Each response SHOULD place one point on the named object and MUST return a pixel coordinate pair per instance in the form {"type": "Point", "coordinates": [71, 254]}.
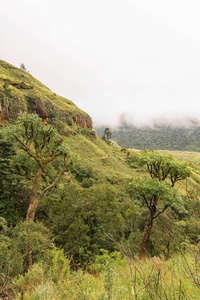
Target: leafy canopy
{"type": "Point", "coordinates": [146, 192]}
{"type": "Point", "coordinates": [161, 166]}
{"type": "Point", "coordinates": [42, 142]}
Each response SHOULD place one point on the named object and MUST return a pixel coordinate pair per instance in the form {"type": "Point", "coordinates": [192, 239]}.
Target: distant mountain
{"type": "Point", "coordinates": [182, 137]}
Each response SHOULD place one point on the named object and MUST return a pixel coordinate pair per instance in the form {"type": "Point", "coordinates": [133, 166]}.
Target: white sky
{"type": "Point", "coordinates": [139, 58]}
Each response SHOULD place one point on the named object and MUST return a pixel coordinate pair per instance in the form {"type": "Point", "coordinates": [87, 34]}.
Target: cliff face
{"type": "Point", "coordinates": [16, 107]}
{"type": "Point", "coordinates": [21, 93]}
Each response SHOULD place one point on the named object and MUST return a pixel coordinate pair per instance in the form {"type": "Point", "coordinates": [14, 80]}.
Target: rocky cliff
{"type": "Point", "coordinates": [21, 93]}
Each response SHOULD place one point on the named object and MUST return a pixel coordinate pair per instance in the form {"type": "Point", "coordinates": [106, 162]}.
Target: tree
{"type": "Point", "coordinates": [154, 193]}
{"type": "Point", "coordinates": [157, 196]}
{"type": "Point", "coordinates": [107, 134]}
{"type": "Point", "coordinates": [162, 167]}
{"type": "Point", "coordinates": [43, 145]}
{"type": "Point", "coordinates": [22, 67]}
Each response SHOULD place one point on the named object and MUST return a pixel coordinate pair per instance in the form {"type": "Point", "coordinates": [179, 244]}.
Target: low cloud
{"type": "Point", "coordinates": [166, 119]}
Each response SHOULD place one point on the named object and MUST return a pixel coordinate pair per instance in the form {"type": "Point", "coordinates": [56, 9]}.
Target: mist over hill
{"type": "Point", "coordinates": [181, 134]}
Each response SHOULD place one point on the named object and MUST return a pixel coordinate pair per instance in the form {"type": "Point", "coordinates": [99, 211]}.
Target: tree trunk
{"type": "Point", "coordinates": [30, 216]}
{"type": "Point", "coordinates": [146, 237]}
{"type": "Point", "coordinates": [148, 228]}
{"type": "Point", "coordinates": [33, 197]}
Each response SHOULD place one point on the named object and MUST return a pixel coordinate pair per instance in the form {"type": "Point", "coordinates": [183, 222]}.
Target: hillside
{"type": "Point", "coordinates": [20, 92]}
{"type": "Point", "coordinates": [158, 137]}
{"type": "Point", "coordinates": [82, 191]}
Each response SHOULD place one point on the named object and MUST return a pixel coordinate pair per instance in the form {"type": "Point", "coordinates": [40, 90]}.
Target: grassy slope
{"type": "Point", "coordinates": [15, 76]}
{"type": "Point", "coordinates": [107, 161]}
{"type": "Point", "coordinates": [184, 155]}
{"type": "Point", "coordinates": [109, 164]}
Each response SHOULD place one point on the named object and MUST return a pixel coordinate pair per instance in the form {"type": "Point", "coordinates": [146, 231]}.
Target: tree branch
{"type": "Point", "coordinates": [161, 211]}
{"type": "Point", "coordinates": [145, 200]}
{"type": "Point", "coordinates": [48, 188]}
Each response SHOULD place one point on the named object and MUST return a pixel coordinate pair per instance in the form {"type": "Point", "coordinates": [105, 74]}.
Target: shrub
{"type": "Point", "coordinates": [69, 120]}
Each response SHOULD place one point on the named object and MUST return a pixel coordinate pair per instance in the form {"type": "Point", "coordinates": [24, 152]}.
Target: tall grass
{"type": "Point", "coordinates": [112, 276]}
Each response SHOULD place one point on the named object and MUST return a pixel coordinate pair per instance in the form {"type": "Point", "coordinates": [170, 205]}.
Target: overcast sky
{"type": "Point", "coordinates": [112, 58]}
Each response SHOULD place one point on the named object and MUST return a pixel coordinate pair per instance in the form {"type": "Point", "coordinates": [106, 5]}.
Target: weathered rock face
{"type": "Point", "coordinates": [38, 107]}
{"type": "Point", "coordinates": [11, 109]}
{"type": "Point", "coordinates": [4, 112]}
{"type": "Point", "coordinates": [15, 107]}
{"type": "Point", "coordinates": [41, 111]}
{"type": "Point", "coordinates": [83, 120]}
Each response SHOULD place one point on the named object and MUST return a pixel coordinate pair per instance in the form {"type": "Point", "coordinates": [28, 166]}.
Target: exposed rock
{"type": "Point", "coordinates": [16, 106]}
{"type": "Point", "coordinates": [84, 120]}
{"type": "Point", "coordinates": [89, 122]}
{"type": "Point", "coordinates": [4, 112]}
{"type": "Point", "coordinates": [41, 111]}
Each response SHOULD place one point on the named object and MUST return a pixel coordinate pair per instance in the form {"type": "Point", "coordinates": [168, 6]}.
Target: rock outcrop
{"type": "Point", "coordinates": [16, 106]}
{"type": "Point", "coordinates": [83, 120]}
{"type": "Point", "coordinates": [21, 93]}
{"type": "Point", "coordinates": [4, 112]}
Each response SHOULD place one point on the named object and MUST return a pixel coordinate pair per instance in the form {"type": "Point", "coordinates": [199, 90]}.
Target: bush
{"type": "Point", "coordinates": [69, 120]}
{"type": "Point", "coordinates": [27, 237]}
{"type": "Point", "coordinates": [23, 85]}
{"type": "Point", "coordinates": [88, 182]}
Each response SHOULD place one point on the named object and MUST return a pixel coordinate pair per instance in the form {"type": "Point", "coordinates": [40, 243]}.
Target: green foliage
{"type": "Point", "coordinates": [88, 182]}
{"type": "Point", "coordinates": [89, 133]}
{"type": "Point", "coordinates": [7, 90]}
{"type": "Point", "coordinates": [14, 76]}
{"type": "Point", "coordinates": [158, 138]}
{"type": "Point", "coordinates": [23, 85]}
{"type": "Point", "coordinates": [43, 138]}
{"type": "Point", "coordinates": [13, 194]}
{"type": "Point", "coordinates": [154, 191]}
{"type": "Point", "coordinates": [161, 166]}
{"type": "Point", "coordinates": [107, 262]}
{"type": "Point", "coordinates": [26, 237]}
{"type": "Point", "coordinates": [1, 97]}
{"type": "Point", "coordinates": [53, 115]}
{"type": "Point", "coordinates": [144, 191]}
{"type": "Point", "coordinates": [7, 180]}
{"type": "Point", "coordinates": [43, 144]}
{"type": "Point", "coordinates": [4, 244]}
{"type": "Point", "coordinates": [83, 174]}
{"type": "Point", "coordinates": [117, 279]}
{"type": "Point", "coordinates": [94, 211]}
{"type": "Point", "coordinates": [107, 134]}
{"type": "Point", "coordinates": [57, 265]}
{"type": "Point", "coordinates": [69, 120]}
{"type": "Point", "coordinates": [80, 219]}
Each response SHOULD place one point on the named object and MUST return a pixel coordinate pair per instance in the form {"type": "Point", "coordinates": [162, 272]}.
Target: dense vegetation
{"type": "Point", "coordinates": [75, 209]}
{"type": "Point", "coordinates": [157, 138]}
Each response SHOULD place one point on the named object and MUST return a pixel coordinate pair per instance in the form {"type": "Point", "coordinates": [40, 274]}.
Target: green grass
{"type": "Point", "coordinates": [107, 161]}
{"type": "Point", "coordinates": [184, 155]}
{"type": "Point", "coordinates": [115, 277]}
{"type": "Point", "coordinates": [15, 76]}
